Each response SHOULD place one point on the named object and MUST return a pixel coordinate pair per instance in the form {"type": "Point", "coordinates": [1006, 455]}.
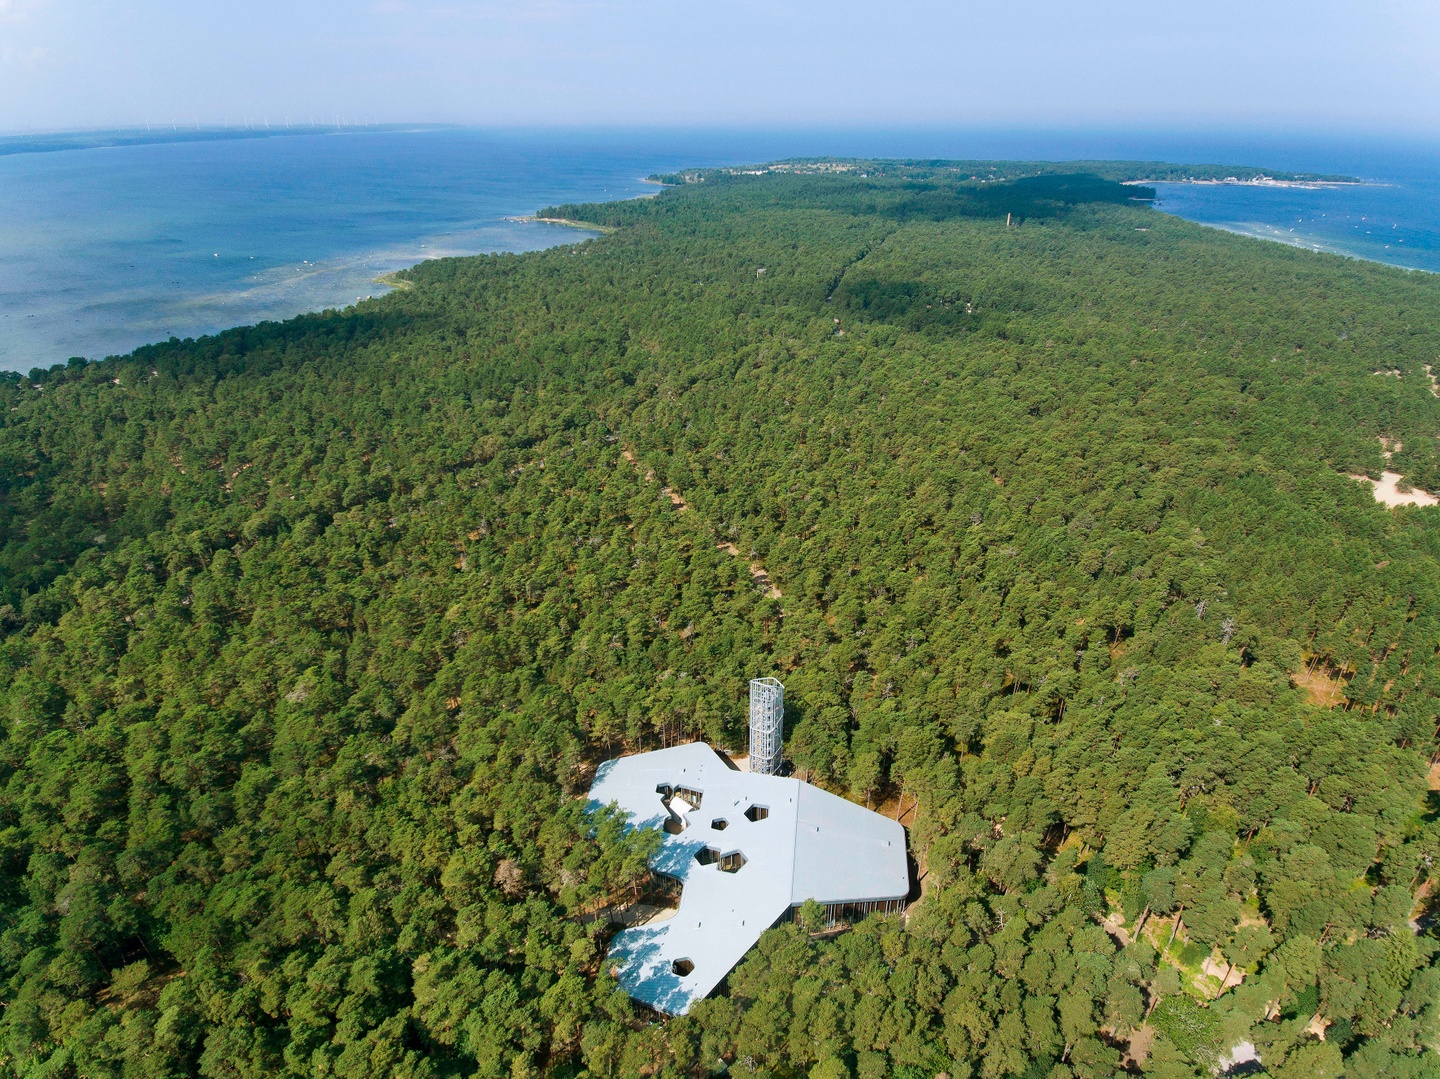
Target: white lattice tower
{"type": "Point", "coordinates": [767, 717]}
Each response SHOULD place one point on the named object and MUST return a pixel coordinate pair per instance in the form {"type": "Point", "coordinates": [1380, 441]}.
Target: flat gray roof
{"type": "Point", "coordinates": [808, 844]}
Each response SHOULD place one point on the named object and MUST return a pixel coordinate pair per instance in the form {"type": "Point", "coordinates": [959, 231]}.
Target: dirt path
{"type": "Point", "coordinates": [757, 569]}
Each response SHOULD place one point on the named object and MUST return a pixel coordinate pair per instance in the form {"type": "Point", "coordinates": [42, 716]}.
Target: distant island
{"type": "Point", "coordinates": [1006, 171]}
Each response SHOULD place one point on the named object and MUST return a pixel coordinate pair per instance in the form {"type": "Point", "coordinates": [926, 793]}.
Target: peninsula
{"type": "Point", "coordinates": [327, 645]}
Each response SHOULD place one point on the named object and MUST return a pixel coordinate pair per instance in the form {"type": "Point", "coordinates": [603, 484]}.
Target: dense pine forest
{"type": "Point", "coordinates": [1039, 501]}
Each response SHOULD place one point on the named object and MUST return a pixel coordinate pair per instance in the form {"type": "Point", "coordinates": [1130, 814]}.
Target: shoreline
{"type": "Point", "coordinates": [588, 226]}
{"type": "Point", "coordinates": [1261, 181]}
{"type": "Point", "coordinates": [1329, 248]}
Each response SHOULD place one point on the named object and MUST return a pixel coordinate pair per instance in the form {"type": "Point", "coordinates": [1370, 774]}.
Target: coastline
{"type": "Point", "coordinates": [1262, 181]}
{"type": "Point", "coordinates": [1384, 219]}
{"type": "Point", "coordinates": [588, 226]}
{"type": "Point", "coordinates": [1252, 231]}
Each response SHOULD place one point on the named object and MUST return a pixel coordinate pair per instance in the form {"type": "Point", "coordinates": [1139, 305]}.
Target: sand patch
{"type": "Point", "coordinates": [1237, 1054]}
{"type": "Point", "coordinates": [1250, 917]}
{"type": "Point", "coordinates": [627, 914]}
{"type": "Point", "coordinates": [1114, 924]}
{"type": "Point", "coordinates": [1137, 1049]}
{"type": "Point", "coordinates": [1421, 906]}
{"type": "Point", "coordinates": [1387, 487]}
{"type": "Point", "coordinates": [1222, 972]}
{"type": "Point", "coordinates": [1324, 687]}
{"type": "Point", "coordinates": [1434, 382]}
{"type": "Point", "coordinates": [654, 916]}
{"type": "Point", "coordinates": [1387, 490]}
{"type": "Point", "coordinates": [762, 579]}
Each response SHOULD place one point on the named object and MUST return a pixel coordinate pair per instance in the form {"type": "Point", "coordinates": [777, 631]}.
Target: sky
{"type": "Point", "coordinates": [1312, 65]}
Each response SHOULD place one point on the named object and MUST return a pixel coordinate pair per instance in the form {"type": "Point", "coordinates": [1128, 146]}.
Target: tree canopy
{"type": "Point", "coordinates": [1039, 502]}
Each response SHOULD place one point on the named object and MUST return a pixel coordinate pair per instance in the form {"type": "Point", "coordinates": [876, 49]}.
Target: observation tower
{"type": "Point", "coordinates": [767, 716]}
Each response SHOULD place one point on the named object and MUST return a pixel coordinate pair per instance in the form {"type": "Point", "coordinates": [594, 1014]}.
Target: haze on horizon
{"type": "Point", "coordinates": [1316, 65]}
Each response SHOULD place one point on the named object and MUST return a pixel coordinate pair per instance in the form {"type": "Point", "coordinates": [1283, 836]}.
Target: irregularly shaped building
{"type": "Point", "coordinates": [746, 848]}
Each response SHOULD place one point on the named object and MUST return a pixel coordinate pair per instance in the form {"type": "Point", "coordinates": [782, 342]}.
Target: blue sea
{"type": "Point", "coordinates": [103, 249]}
{"type": "Point", "coordinates": [1391, 218]}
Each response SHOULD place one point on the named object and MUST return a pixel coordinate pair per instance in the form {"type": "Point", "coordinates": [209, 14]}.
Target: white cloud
{"type": "Point", "coordinates": [515, 11]}
{"type": "Point", "coordinates": [17, 11]}
{"type": "Point", "coordinates": [27, 58]}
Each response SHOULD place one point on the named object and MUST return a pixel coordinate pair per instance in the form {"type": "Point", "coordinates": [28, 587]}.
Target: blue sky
{"type": "Point", "coordinates": [1317, 65]}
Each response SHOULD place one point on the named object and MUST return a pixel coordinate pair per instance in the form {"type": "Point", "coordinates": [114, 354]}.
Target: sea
{"type": "Point", "coordinates": [104, 248]}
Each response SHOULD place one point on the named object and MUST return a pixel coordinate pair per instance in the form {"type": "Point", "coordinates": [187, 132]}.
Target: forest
{"type": "Point", "coordinates": [1039, 501]}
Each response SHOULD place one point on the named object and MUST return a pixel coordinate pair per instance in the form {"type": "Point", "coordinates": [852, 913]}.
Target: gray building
{"type": "Point", "coordinates": [746, 849]}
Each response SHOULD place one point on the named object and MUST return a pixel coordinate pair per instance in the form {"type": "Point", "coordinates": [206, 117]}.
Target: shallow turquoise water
{"type": "Point", "coordinates": [1395, 220]}
{"type": "Point", "coordinates": [102, 250]}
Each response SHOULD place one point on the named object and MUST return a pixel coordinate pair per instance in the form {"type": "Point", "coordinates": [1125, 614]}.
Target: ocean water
{"type": "Point", "coordinates": [1394, 219]}
{"type": "Point", "coordinates": [103, 249]}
